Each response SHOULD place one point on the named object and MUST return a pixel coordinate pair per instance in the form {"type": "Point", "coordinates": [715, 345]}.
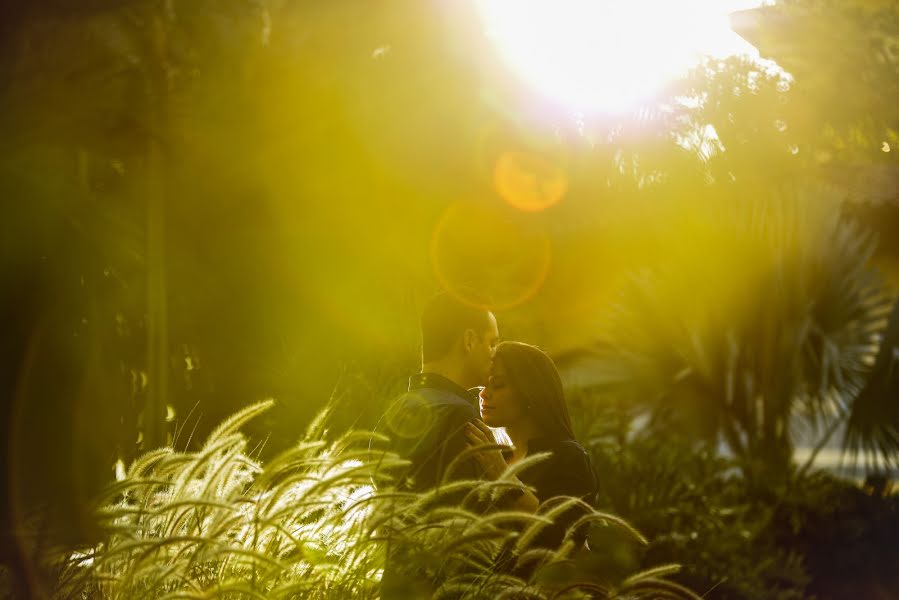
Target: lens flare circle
{"type": "Point", "coordinates": [409, 417]}
{"type": "Point", "coordinates": [529, 181]}
{"type": "Point", "coordinates": [489, 256]}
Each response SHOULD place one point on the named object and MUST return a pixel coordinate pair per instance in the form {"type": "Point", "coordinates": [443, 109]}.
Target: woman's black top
{"type": "Point", "coordinates": [568, 471]}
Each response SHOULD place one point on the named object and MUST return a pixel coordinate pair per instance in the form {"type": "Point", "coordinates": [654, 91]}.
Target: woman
{"type": "Point", "coordinates": [524, 396]}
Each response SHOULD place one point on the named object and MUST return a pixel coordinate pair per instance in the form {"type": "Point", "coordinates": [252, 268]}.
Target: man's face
{"type": "Point", "coordinates": [482, 350]}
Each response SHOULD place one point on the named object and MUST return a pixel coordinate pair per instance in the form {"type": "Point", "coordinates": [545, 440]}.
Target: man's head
{"type": "Point", "coordinates": [459, 337]}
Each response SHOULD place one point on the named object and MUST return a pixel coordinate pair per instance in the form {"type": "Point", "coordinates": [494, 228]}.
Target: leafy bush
{"type": "Point", "coordinates": [318, 521]}
{"type": "Point", "coordinates": [847, 536]}
{"type": "Point", "coordinates": [696, 508]}
{"type": "Point", "coordinates": [811, 536]}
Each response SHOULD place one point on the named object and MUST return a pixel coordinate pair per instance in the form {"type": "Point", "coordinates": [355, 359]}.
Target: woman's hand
{"type": "Point", "coordinates": [493, 464]}
{"type": "Point", "coordinates": [491, 461]}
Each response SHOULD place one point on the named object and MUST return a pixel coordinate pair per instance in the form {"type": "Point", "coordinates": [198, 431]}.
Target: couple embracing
{"type": "Point", "coordinates": [470, 390]}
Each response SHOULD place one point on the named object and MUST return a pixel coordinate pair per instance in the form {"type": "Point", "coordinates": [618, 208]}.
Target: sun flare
{"type": "Point", "coordinates": [608, 55]}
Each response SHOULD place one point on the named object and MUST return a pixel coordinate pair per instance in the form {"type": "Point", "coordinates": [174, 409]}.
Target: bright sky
{"type": "Point", "coordinates": [609, 55]}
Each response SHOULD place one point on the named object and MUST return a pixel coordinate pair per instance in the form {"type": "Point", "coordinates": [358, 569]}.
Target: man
{"type": "Point", "coordinates": [426, 425]}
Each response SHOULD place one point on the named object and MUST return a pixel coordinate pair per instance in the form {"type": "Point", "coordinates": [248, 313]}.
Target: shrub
{"type": "Point", "coordinates": [696, 507]}
{"type": "Point", "coordinates": [809, 536]}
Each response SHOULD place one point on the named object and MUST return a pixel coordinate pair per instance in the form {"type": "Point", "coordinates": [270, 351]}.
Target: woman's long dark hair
{"type": "Point", "coordinates": [534, 376]}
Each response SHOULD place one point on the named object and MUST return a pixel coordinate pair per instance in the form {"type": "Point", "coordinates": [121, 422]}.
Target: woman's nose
{"type": "Point", "coordinates": [483, 395]}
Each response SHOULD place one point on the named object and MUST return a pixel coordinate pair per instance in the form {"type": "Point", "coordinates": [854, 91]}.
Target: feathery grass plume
{"type": "Point", "coordinates": [550, 512]}
{"type": "Point", "coordinates": [652, 587]}
{"type": "Point", "coordinates": [520, 592]}
{"type": "Point", "coordinates": [592, 590]}
{"type": "Point", "coordinates": [512, 517]}
{"type": "Point", "coordinates": [525, 463]}
{"type": "Point", "coordinates": [442, 491]}
{"type": "Point", "coordinates": [492, 491]}
{"type": "Point", "coordinates": [465, 455]}
{"type": "Point", "coordinates": [318, 521]}
{"type": "Point", "coordinates": [534, 556]}
{"type": "Point", "coordinates": [239, 419]}
{"type": "Point", "coordinates": [653, 573]}
{"type": "Point", "coordinates": [607, 519]}
{"type": "Point", "coordinates": [142, 463]}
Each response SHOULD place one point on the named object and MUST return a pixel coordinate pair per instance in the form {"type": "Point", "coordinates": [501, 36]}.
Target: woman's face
{"type": "Point", "coordinates": [501, 405]}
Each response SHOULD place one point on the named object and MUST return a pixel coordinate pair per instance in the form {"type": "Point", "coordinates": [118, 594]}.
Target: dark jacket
{"type": "Point", "coordinates": [425, 425]}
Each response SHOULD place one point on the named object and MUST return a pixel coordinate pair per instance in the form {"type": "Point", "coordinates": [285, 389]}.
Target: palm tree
{"type": "Point", "coordinates": [872, 424]}
{"type": "Point", "coordinates": [759, 312]}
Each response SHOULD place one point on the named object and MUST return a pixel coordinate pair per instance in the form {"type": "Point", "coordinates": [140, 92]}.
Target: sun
{"type": "Point", "coordinates": [608, 56]}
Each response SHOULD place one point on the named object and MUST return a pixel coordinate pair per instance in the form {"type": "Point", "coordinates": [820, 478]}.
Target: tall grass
{"type": "Point", "coordinates": [318, 521]}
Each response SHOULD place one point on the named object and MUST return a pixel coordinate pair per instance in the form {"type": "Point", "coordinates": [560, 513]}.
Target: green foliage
{"type": "Point", "coordinates": [845, 533]}
{"type": "Point", "coordinates": [697, 511]}
{"type": "Point", "coordinates": [829, 47]}
{"type": "Point", "coordinates": [321, 520]}
{"type": "Point", "coordinates": [770, 310]}
{"type": "Point", "coordinates": [811, 536]}
{"type": "Point", "coordinates": [872, 427]}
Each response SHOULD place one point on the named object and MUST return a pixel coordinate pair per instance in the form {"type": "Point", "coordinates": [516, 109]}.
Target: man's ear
{"type": "Point", "coordinates": [468, 340]}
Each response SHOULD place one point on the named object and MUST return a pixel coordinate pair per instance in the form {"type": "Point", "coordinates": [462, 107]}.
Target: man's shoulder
{"type": "Point", "coordinates": [434, 397]}
{"type": "Point", "coordinates": [422, 412]}
{"type": "Point", "coordinates": [444, 406]}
